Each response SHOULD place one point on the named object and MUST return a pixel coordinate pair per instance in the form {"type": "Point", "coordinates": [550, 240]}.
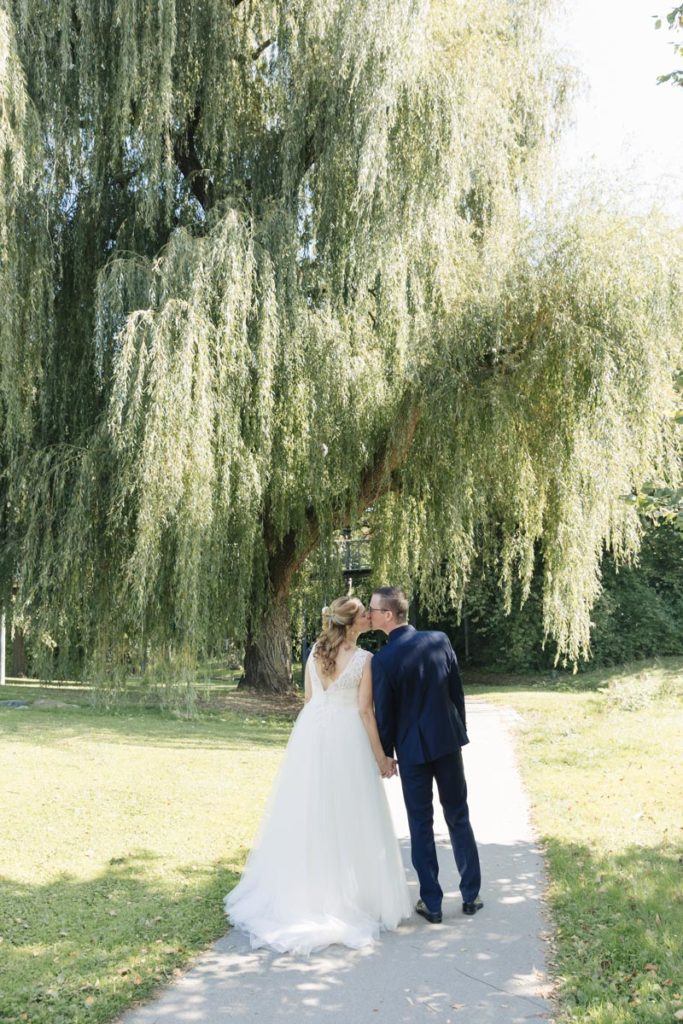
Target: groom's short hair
{"type": "Point", "coordinates": [394, 600]}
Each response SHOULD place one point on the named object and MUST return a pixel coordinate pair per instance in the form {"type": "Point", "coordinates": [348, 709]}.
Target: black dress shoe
{"type": "Point", "coordinates": [471, 908]}
{"type": "Point", "coordinates": [433, 917]}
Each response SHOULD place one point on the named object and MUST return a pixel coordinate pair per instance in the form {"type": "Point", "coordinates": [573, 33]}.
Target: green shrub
{"type": "Point", "coordinates": [638, 615]}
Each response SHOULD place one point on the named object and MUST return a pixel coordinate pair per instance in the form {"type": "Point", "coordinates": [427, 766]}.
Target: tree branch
{"type": "Point", "coordinates": [310, 153]}
{"type": "Point", "coordinates": [255, 54]}
{"type": "Point", "coordinates": [292, 552]}
{"type": "Point", "coordinates": [380, 477]}
{"type": "Point", "coordinates": [289, 554]}
{"type": "Point", "coordinates": [189, 164]}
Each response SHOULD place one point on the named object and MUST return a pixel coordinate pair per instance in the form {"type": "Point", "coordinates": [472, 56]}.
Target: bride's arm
{"type": "Point", "coordinates": [308, 692]}
{"type": "Point", "coordinates": [386, 765]}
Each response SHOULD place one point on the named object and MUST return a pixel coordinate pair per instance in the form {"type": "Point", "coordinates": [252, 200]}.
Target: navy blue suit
{"type": "Point", "coordinates": [420, 711]}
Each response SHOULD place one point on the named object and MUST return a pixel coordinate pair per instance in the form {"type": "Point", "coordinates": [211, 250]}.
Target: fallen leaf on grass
{"type": "Point", "coordinates": [678, 1015]}
{"type": "Point", "coordinates": [650, 967]}
{"type": "Point", "coordinates": [89, 1000]}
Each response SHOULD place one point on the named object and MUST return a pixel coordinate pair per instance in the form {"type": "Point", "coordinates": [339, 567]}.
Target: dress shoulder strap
{"type": "Point", "coordinates": [311, 659]}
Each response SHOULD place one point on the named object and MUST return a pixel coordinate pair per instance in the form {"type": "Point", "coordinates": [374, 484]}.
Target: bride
{"type": "Point", "coordinates": [326, 867]}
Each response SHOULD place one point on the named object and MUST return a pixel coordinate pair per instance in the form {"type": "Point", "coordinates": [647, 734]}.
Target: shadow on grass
{"type": "Point", "coordinates": [80, 951]}
{"type": "Point", "coordinates": [153, 728]}
{"type": "Point", "coordinates": [619, 919]}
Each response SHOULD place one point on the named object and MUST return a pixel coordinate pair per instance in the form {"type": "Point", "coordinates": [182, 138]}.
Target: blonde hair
{"type": "Point", "coordinates": [336, 620]}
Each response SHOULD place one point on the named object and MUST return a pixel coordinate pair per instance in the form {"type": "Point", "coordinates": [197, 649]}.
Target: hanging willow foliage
{"type": "Point", "coordinates": [289, 280]}
{"type": "Point", "coordinates": [25, 277]}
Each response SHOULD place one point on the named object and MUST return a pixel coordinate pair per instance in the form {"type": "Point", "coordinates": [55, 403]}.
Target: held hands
{"type": "Point", "coordinates": [388, 767]}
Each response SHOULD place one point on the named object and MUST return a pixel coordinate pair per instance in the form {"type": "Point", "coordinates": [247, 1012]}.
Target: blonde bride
{"type": "Point", "coordinates": [326, 867]}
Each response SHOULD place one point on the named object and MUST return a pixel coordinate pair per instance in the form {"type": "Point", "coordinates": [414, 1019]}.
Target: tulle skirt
{"type": "Point", "coordinates": [326, 867]}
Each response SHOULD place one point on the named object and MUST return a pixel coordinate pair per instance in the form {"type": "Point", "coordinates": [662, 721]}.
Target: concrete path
{"type": "Point", "coordinates": [488, 969]}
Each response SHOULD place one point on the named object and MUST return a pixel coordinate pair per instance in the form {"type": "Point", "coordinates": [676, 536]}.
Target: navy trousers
{"type": "Point", "coordinates": [417, 781]}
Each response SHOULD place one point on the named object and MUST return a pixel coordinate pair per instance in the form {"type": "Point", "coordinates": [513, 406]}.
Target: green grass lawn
{"type": "Point", "coordinates": [602, 758]}
{"type": "Point", "coordinates": [120, 833]}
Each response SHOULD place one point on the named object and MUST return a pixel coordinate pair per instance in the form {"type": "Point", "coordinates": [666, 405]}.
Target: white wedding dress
{"type": "Point", "coordinates": [326, 867]}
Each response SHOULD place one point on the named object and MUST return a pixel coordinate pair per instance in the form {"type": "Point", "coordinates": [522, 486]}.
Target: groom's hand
{"type": "Point", "coordinates": [389, 768]}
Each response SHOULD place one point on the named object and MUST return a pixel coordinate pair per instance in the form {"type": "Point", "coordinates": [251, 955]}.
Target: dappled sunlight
{"type": "Point", "coordinates": [131, 828]}
{"type": "Point", "coordinates": [621, 922]}
{"type": "Point", "coordinates": [102, 787]}
{"type": "Point", "coordinates": [478, 962]}
{"type": "Point", "coordinates": [603, 769]}
{"type": "Point", "coordinates": [72, 943]}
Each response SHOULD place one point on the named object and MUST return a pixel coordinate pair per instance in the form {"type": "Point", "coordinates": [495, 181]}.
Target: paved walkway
{"type": "Point", "coordinates": [488, 969]}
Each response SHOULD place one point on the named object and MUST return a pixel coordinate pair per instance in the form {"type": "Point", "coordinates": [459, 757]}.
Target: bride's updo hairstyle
{"type": "Point", "coordinates": [336, 620]}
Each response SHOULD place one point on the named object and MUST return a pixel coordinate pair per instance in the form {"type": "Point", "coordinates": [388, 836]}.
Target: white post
{"type": "Point", "coordinates": [2, 647]}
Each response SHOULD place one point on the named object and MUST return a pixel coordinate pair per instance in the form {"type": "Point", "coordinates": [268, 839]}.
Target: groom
{"type": "Point", "coordinates": [420, 711]}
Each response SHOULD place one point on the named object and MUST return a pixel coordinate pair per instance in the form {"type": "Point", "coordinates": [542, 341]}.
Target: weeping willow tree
{"type": "Point", "coordinates": [270, 266]}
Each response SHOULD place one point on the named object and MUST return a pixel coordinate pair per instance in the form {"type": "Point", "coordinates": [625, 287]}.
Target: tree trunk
{"type": "Point", "coordinates": [19, 666]}
{"type": "Point", "coordinates": [268, 653]}
{"type": "Point", "coordinates": [268, 659]}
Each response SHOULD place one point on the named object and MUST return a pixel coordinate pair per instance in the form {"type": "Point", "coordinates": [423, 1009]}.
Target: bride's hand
{"type": "Point", "coordinates": [387, 767]}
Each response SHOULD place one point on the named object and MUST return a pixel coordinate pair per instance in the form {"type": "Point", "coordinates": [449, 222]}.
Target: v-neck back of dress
{"type": "Point", "coordinates": [334, 682]}
{"type": "Point", "coordinates": [344, 688]}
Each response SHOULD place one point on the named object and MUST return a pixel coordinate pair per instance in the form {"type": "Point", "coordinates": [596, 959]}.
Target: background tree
{"type": "Point", "coordinates": [674, 21]}
{"type": "Point", "coordinates": [286, 275]}
{"type": "Point", "coordinates": [639, 613]}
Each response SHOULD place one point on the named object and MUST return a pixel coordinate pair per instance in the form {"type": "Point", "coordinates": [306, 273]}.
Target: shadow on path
{"type": "Point", "coordinates": [464, 970]}
{"type": "Point", "coordinates": [488, 969]}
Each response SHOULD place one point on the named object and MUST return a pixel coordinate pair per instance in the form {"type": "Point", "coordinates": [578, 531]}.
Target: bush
{"type": "Point", "coordinates": [639, 614]}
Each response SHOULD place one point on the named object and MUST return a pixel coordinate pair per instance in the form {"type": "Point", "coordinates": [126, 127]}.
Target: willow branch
{"type": "Point", "coordinates": [289, 554]}
{"type": "Point", "coordinates": [381, 476]}
{"type": "Point", "coordinates": [255, 54]}
{"type": "Point", "coordinates": [189, 164]}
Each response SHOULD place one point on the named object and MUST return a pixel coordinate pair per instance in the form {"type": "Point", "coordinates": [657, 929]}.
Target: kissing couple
{"type": "Point", "coordinates": [326, 866]}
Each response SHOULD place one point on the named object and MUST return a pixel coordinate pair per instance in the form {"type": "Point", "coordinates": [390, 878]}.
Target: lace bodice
{"type": "Point", "coordinates": [344, 690]}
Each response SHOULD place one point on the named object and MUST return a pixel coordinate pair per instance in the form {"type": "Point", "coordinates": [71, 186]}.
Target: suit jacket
{"type": "Point", "coordinates": [418, 695]}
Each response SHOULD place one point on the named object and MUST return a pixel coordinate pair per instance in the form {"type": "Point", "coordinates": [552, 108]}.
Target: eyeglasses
{"type": "Point", "coordinates": [370, 609]}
